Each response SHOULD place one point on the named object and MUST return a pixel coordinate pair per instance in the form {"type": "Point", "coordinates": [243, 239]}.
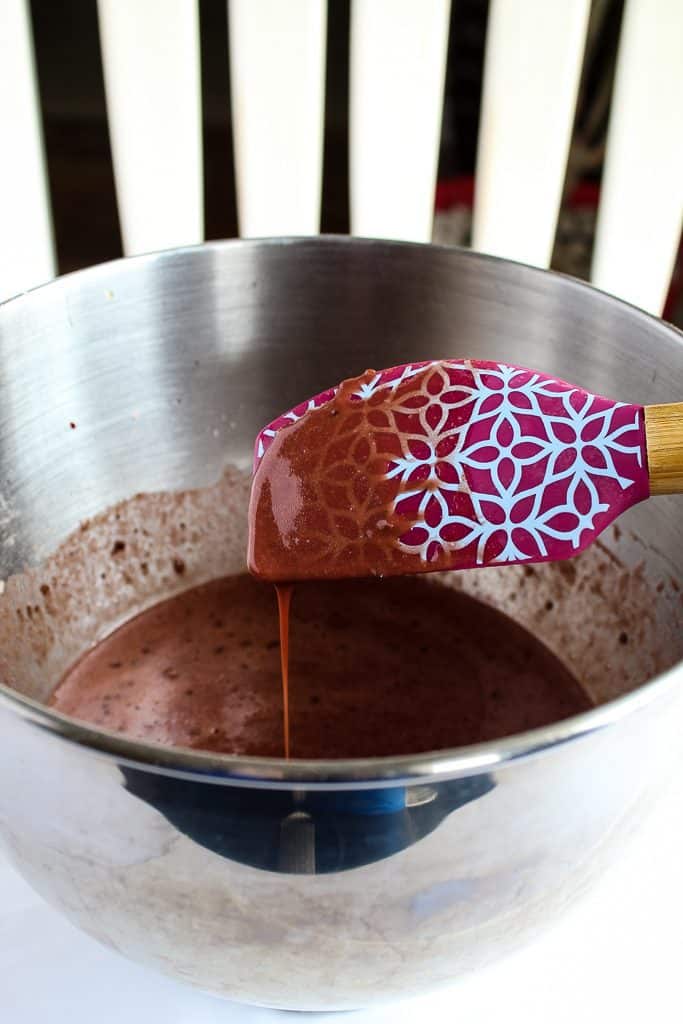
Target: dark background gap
{"type": "Point", "coordinates": [334, 217]}
{"type": "Point", "coordinates": [463, 86]}
{"type": "Point", "coordinates": [78, 155]}
{"type": "Point", "coordinates": [220, 201]}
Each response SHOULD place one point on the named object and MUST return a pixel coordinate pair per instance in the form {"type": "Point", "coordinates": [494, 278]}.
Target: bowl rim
{"type": "Point", "coordinates": [347, 773]}
{"type": "Point", "coordinates": [230, 769]}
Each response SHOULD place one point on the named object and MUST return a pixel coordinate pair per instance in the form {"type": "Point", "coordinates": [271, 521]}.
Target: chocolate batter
{"type": "Point", "coordinates": [321, 506]}
{"type": "Point", "coordinates": [376, 668]}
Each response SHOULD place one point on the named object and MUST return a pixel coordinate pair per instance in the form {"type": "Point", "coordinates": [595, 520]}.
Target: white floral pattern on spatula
{"type": "Point", "coordinates": [500, 462]}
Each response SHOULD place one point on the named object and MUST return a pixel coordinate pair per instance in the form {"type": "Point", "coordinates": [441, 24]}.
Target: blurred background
{"type": "Point", "coordinates": [79, 159]}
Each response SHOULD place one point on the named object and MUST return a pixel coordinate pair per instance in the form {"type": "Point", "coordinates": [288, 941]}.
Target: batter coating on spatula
{"type": "Point", "coordinates": [450, 464]}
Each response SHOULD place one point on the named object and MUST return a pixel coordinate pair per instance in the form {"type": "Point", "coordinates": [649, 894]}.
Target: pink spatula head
{"type": "Point", "coordinates": [451, 464]}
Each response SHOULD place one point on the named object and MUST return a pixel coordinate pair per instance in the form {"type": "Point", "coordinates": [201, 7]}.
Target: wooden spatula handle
{"type": "Point", "coordinates": [664, 436]}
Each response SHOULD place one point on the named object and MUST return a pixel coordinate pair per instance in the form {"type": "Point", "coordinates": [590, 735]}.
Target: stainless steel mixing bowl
{"type": "Point", "coordinates": [316, 885]}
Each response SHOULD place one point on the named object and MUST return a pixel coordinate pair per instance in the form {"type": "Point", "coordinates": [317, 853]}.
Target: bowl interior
{"type": "Point", "coordinates": [132, 393]}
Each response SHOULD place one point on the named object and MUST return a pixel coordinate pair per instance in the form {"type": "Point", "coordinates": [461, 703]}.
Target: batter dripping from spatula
{"type": "Point", "coordinates": [449, 465]}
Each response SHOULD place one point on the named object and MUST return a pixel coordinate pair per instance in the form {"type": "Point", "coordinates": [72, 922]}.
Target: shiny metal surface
{"type": "Point", "coordinates": [303, 885]}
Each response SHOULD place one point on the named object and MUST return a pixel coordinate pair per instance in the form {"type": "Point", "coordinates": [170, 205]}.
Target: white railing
{"type": "Point", "coordinates": [533, 64]}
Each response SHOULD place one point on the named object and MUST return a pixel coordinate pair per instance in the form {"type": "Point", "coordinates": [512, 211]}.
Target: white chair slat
{"type": "Point", "coordinates": [26, 247]}
{"type": "Point", "coordinates": [641, 205]}
{"type": "Point", "coordinates": [150, 53]}
{"type": "Point", "coordinates": [277, 76]}
{"type": "Point", "coordinates": [534, 56]}
{"type": "Point", "coordinates": [397, 69]}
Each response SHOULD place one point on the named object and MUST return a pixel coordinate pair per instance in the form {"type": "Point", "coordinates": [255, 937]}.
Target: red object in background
{"type": "Point", "coordinates": [454, 192]}
{"type": "Point", "coordinates": [460, 192]}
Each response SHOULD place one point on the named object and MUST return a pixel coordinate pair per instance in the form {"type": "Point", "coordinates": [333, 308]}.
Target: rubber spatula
{"type": "Point", "coordinates": [451, 464]}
